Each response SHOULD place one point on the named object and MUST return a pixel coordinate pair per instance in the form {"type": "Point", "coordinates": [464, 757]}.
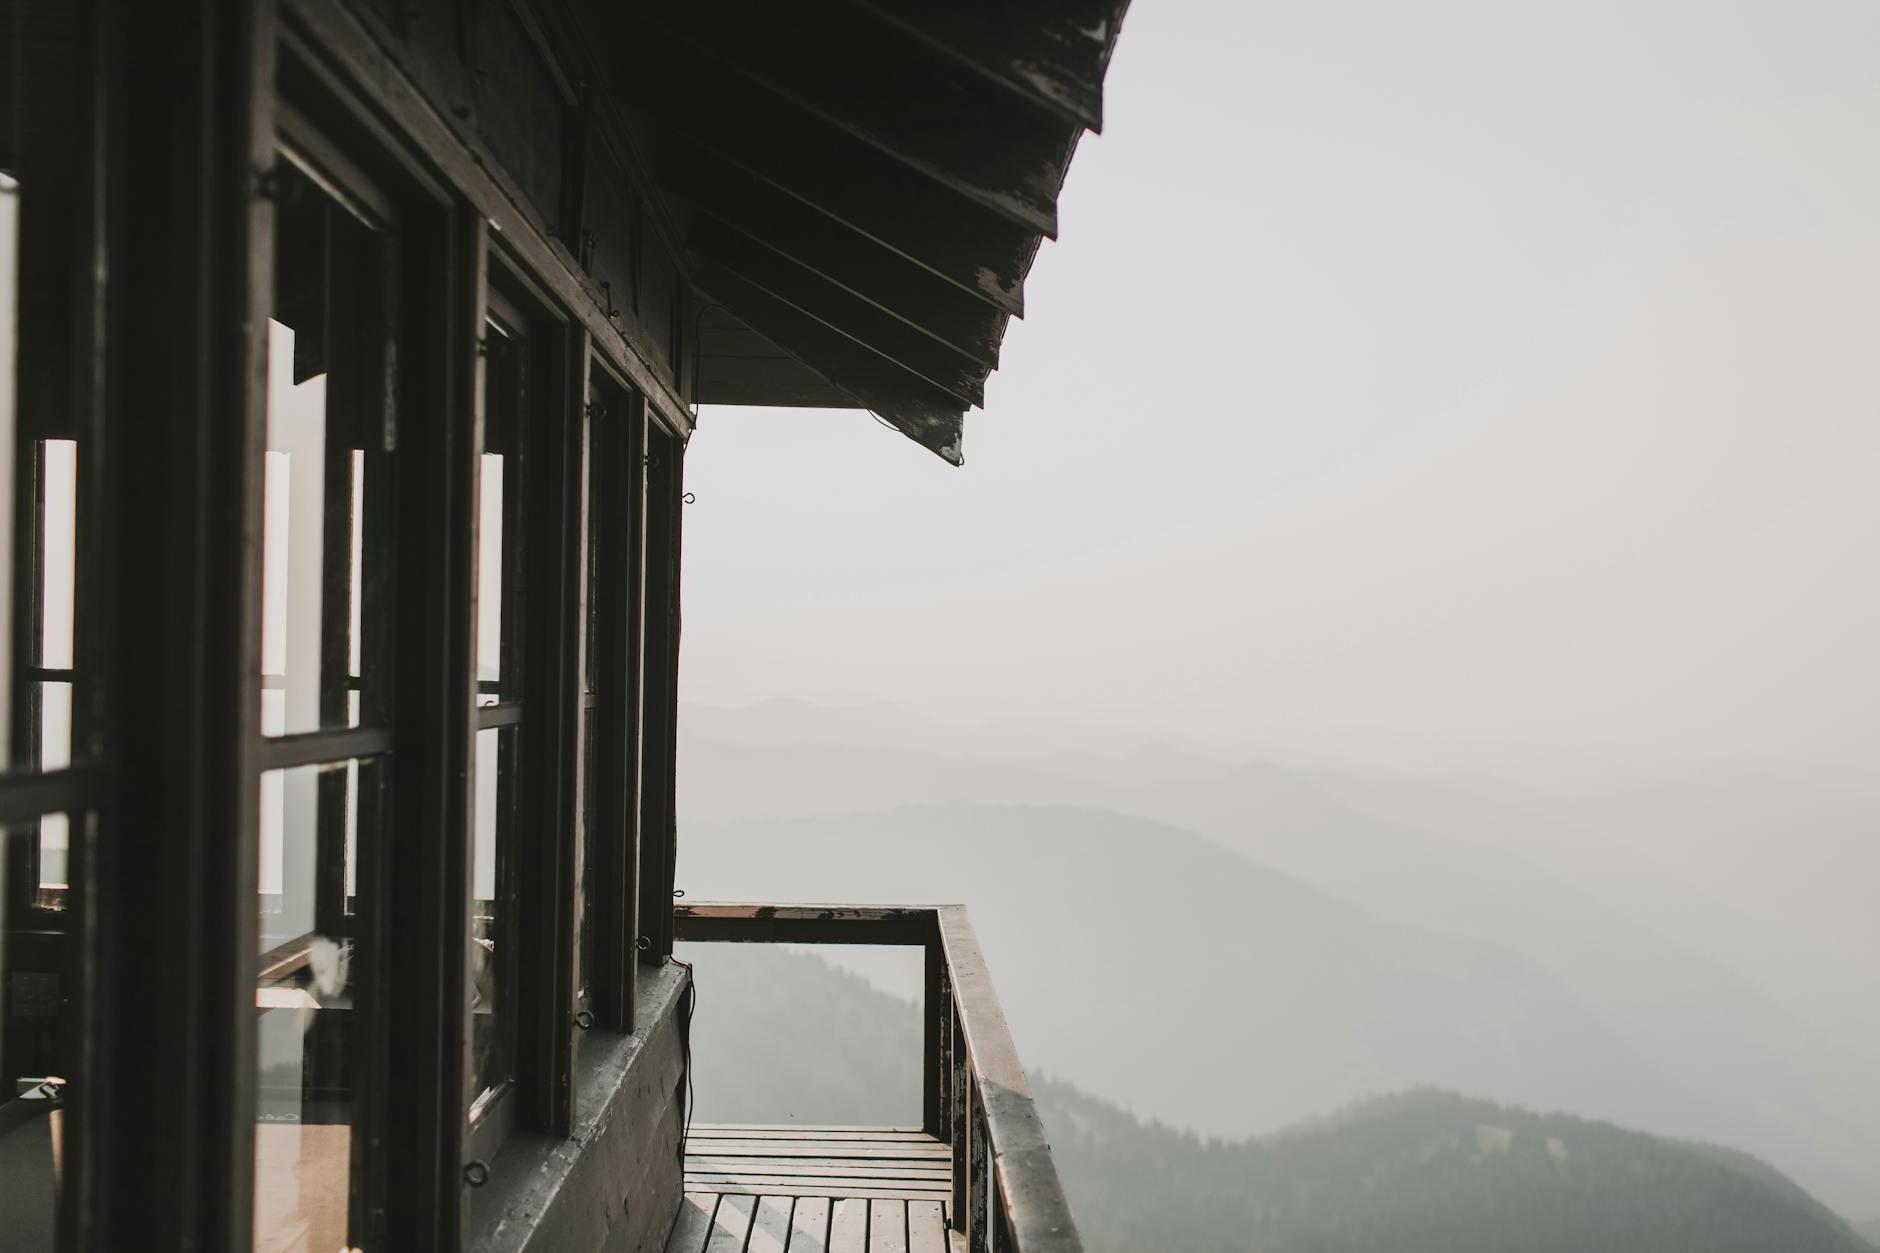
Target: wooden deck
{"type": "Point", "coordinates": [800, 1189]}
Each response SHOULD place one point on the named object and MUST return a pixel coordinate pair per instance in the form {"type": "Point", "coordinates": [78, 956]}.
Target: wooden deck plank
{"type": "Point", "coordinates": [732, 1223]}
{"type": "Point", "coordinates": [926, 1161]}
{"type": "Point", "coordinates": [753, 1188]}
{"type": "Point", "coordinates": [911, 1145]}
{"type": "Point", "coordinates": [786, 1185]}
{"type": "Point", "coordinates": [809, 1225]}
{"type": "Point", "coordinates": [713, 1127]}
{"type": "Point", "coordinates": [770, 1228]}
{"type": "Point", "coordinates": [848, 1227]}
{"type": "Point", "coordinates": [834, 1148]}
{"type": "Point", "coordinates": [806, 1133]}
{"type": "Point", "coordinates": [802, 1189]}
{"type": "Point", "coordinates": [832, 1185]}
{"type": "Point", "coordinates": [926, 1227]}
{"type": "Point", "coordinates": [702, 1175]}
{"type": "Point", "coordinates": [887, 1227]}
{"type": "Point", "coordinates": [886, 1169]}
{"type": "Point", "coordinates": [694, 1224]}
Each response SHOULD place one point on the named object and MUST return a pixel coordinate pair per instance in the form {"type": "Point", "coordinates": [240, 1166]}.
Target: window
{"type": "Point", "coordinates": [48, 696]}
{"type": "Point", "coordinates": [610, 705]}
{"type": "Point", "coordinates": [325, 614]}
{"type": "Point", "coordinates": [328, 428]}
{"type": "Point", "coordinates": [589, 704]}
{"type": "Point", "coordinates": [310, 1003]}
{"type": "Point", "coordinates": [510, 367]}
{"type": "Point", "coordinates": [47, 789]}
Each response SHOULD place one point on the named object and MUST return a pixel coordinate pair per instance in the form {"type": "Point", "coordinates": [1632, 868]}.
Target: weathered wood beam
{"type": "Point", "coordinates": [1036, 1211]}
{"type": "Point", "coordinates": [890, 93]}
{"type": "Point", "coordinates": [924, 413]}
{"type": "Point", "coordinates": [856, 186]}
{"type": "Point", "coordinates": [972, 326]}
{"type": "Point", "coordinates": [1051, 55]}
{"type": "Point", "coordinates": [803, 924]}
{"type": "Point", "coordinates": [881, 329]}
{"type": "Point", "coordinates": [737, 366]}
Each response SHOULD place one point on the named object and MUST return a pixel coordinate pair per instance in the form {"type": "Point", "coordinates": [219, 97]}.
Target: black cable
{"type": "Point", "coordinates": [686, 1012]}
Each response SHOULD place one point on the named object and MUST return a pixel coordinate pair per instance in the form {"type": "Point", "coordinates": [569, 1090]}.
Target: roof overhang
{"type": "Point", "coordinates": [860, 186]}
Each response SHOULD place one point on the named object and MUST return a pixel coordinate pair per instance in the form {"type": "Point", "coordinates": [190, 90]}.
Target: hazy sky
{"type": "Point", "coordinates": [1446, 384]}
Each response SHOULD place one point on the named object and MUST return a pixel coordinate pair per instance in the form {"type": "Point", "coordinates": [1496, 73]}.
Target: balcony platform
{"type": "Point", "coordinates": [751, 1188]}
{"type": "Point", "coordinates": [979, 1163]}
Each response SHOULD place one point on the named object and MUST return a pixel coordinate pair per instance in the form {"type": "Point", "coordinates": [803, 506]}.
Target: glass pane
{"type": "Point", "coordinates": [58, 550]}
{"type": "Point", "coordinates": [54, 713]}
{"type": "Point", "coordinates": [590, 549]}
{"type": "Point", "coordinates": [500, 561]}
{"type": "Point", "coordinates": [309, 1028]}
{"type": "Point", "coordinates": [322, 528]}
{"type": "Point", "coordinates": [33, 1029]}
{"type": "Point", "coordinates": [493, 915]}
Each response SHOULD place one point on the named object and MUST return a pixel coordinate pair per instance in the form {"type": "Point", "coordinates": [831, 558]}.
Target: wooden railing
{"type": "Point", "coordinates": [1006, 1194]}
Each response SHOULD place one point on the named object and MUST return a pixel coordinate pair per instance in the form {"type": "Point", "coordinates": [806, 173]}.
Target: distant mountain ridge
{"type": "Point", "coordinates": [1426, 1172]}
{"type": "Point", "coordinates": [1109, 937]}
{"type": "Point", "coordinates": [1797, 1091]}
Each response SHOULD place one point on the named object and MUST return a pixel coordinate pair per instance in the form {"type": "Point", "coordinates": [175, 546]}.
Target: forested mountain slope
{"type": "Point", "coordinates": [783, 1036]}
{"type": "Point", "coordinates": [1426, 1172]}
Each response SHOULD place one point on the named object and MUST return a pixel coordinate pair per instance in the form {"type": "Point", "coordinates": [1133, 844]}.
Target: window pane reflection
{"type": "Point", "coordinates": [327, 432]}
{"type": "Point", "coordinates": [493, 914]}
{"type": "Point", "coordinates": [34, 1028]}
{"type": "Point", "coordinates": [52, 582]}
{"type": "Point", "coordinates": [500, 560]}
{"type": "Point", "coordinates": [53, 708]}
{"type": "Point", "coordinates": [316, 822]}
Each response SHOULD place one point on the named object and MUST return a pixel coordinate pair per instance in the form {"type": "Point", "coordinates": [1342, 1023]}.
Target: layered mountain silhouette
{"type": "Point", "coordinates": [1306, 952]}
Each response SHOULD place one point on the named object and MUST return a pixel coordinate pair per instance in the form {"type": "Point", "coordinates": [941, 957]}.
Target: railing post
{"type": "Point", "coordinates": [979, 1165]}
{"type": "Point", "coordinates": [939, 1027]}
{"type": "Point", "coordinates": [957, 1112]}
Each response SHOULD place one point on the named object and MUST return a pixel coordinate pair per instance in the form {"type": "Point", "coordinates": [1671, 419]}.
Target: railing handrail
{"type": "Point", "coordinates": [1035, 1213]}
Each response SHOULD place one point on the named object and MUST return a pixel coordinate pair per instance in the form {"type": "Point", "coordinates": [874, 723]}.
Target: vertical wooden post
{"type": "Point", "coordinates": [633, 758]}
{"type": "Point", "coordinates": [665, 490]}
{"type": "Point", "coordinates": [164, 1143]}
{"type": "Point", "coordinates": [428, 866]}
{"type": "Point", "coordinates": [936, 1009]}
{"type": "Point", "coordinates": [958, 1120]}
{"type": "Point", "coordinates": [619, 447]}
{"type": "Point", "coordinates": [551, 728]}
{"type": "Point", "coordinates": [979, 1188]}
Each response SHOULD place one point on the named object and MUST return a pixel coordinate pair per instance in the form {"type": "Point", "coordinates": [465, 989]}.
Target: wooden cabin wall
{"type": "Point", "coordinates": [500, 78]}
{"type": "Point", "coordinates": [484, 159]}
{"type": "Point", "coordinates": [516, 81]}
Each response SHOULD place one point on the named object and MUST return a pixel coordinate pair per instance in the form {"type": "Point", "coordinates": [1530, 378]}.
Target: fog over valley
{"type": "Point", "coordinates": [1401, 646]}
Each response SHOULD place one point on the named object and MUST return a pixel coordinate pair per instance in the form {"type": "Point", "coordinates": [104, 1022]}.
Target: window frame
{"type": "Point", "coordinates": [311, 142]}
{"type": "Point", "coordinates": [55, 321]}
{"type": "Point", "coordinates": [541, 634]}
